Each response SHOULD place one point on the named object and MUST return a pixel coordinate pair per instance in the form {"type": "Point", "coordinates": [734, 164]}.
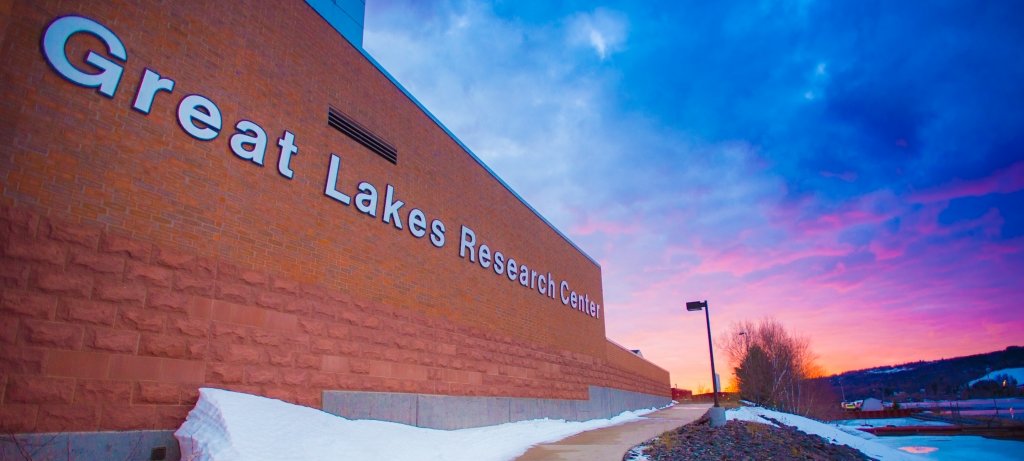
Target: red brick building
{"type": "Point", "coordinates": [233, 195]}
{"type": "Point", "coordinates": [681, 394]}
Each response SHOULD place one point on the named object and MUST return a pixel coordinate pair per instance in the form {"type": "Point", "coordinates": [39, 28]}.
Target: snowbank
{"type": "Point", "coordinates": [745, 414]}
{"type": "Point", "coordinates": [230, 426]}
{"type": "Point", "coordinates": [829, 432]}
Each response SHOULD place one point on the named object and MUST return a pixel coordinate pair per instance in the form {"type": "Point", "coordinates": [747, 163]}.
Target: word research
{"type": "Point", "coordinates": [366, 199]}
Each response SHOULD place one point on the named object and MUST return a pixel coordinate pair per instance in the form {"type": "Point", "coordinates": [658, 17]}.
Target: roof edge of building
{"type": "Point", "coordinates": [465, 148]}
{"type": "Point", "coordinates": [645, 359]}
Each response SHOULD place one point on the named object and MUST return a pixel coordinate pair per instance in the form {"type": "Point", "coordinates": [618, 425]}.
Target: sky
{"type": "Point", "coordinates": [854, 170]}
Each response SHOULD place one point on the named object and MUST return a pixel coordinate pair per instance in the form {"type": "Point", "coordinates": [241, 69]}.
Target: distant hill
{"type": "Point", "coordinates": [946, 378]}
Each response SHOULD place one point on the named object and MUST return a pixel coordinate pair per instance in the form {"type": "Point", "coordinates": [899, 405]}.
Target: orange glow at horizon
{"type": "Point", "coordinates": [679, 343]}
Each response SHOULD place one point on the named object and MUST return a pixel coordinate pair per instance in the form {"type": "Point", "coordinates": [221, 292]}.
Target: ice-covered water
{"type": "Point", "coordinates": [956, 448]}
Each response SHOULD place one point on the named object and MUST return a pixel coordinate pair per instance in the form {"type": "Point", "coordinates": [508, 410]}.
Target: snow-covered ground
{"type": "Point", "coordinates": [230, 426]}
{"type": "Point", "coordinates": [832, 433]}
{"type": "Point", "coordinates": [1016, 373]}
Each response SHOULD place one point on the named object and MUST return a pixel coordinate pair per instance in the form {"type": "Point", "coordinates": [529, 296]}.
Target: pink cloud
{"type": "Point", "coordinates": [923, 224]}
{"type": "Point", "coordinates": [890, 249]}
{"type": "Point", "coordinates": [807, 218]}
{"type": "Point", "coordinates": [1005, 247]}
{"type": "Point", "coordinates": [1007, 180]}
{"type": "Point", "coordinates": [741, 260]}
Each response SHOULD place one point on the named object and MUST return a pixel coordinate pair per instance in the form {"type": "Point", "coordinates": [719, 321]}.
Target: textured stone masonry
{"type": "Point", "coordinates": [123, 352]}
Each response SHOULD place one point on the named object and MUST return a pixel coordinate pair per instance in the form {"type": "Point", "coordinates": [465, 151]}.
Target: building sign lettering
{"type": "Point", "coordinates": [201, 118]}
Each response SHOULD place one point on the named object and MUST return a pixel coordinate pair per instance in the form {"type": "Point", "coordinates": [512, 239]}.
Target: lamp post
{"type": "Point", "coordinates": [717, 413]}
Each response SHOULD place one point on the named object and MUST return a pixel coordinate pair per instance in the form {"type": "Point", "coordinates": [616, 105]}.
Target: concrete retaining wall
{"type": "Point", "coordinates": [457, 412]}
{"type": "Point", "coordinates": [92, 446]}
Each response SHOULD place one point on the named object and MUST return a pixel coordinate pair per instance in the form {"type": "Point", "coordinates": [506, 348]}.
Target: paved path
{"type": "Point", "coordinates": [612, 443]}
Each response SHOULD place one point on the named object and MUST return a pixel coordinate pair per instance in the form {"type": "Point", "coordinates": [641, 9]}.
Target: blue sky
{"type": "Point", "coordinates": [833, 164]}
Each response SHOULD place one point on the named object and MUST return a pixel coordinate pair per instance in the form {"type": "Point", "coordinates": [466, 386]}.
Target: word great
{"type": "Point", "coordinates": [201, 118]}
{"type": "Point", "coordinates": [197, 115]}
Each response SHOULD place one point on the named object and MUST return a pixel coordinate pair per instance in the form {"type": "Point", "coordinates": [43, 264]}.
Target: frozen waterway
{"type": "Point", "coordinates": [937, 447]}
{"type": "Point", "coordinates": [883, 422]}
{"type": "Point", "coordinates": [956, 448]}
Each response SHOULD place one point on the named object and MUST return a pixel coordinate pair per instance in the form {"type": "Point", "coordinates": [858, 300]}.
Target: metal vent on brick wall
{"type": "Point", "coordinates": [360, 134]}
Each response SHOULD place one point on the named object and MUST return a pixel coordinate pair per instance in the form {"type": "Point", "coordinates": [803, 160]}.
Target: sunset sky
{"type": "Point", "coordinates": [854, 169]}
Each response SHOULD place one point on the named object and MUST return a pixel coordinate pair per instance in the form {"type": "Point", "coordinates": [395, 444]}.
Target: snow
{"type": "Point", "coordinates": [889, 370]}
{"type": "Point", "coordinates": [832, 433]}
{"type": "Point", "coordinates": [637, 454]}
{"type": "Point", "coordinates": [1016, 373]}
{"type": "Point", "coordinates": [745, 414]}
{"type": "Point", "coordinates": [231, 426]}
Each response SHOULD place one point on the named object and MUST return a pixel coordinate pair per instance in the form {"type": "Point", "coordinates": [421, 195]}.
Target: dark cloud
{"type": "Point", "coordinates": [909, 94]}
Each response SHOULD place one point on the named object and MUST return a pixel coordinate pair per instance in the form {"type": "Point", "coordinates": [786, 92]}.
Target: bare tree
{"type": "Point", "coordinates": [772, 367]}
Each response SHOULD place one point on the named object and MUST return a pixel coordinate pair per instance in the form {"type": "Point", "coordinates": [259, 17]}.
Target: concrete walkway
{"type": "Point", "coordinates": [612, 443]}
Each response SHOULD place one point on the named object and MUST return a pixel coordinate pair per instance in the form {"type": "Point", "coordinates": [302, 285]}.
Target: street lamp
{"type": "Point", "coordinates": [717, 413]}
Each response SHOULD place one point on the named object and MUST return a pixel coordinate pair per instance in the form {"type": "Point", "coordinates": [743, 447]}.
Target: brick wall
{"type": "Point", "coordinates": [624, 359]}
{"type": "Point", "coordinates": [139, 263]}
{"type": "Point", "coordinates": [103, 332]}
